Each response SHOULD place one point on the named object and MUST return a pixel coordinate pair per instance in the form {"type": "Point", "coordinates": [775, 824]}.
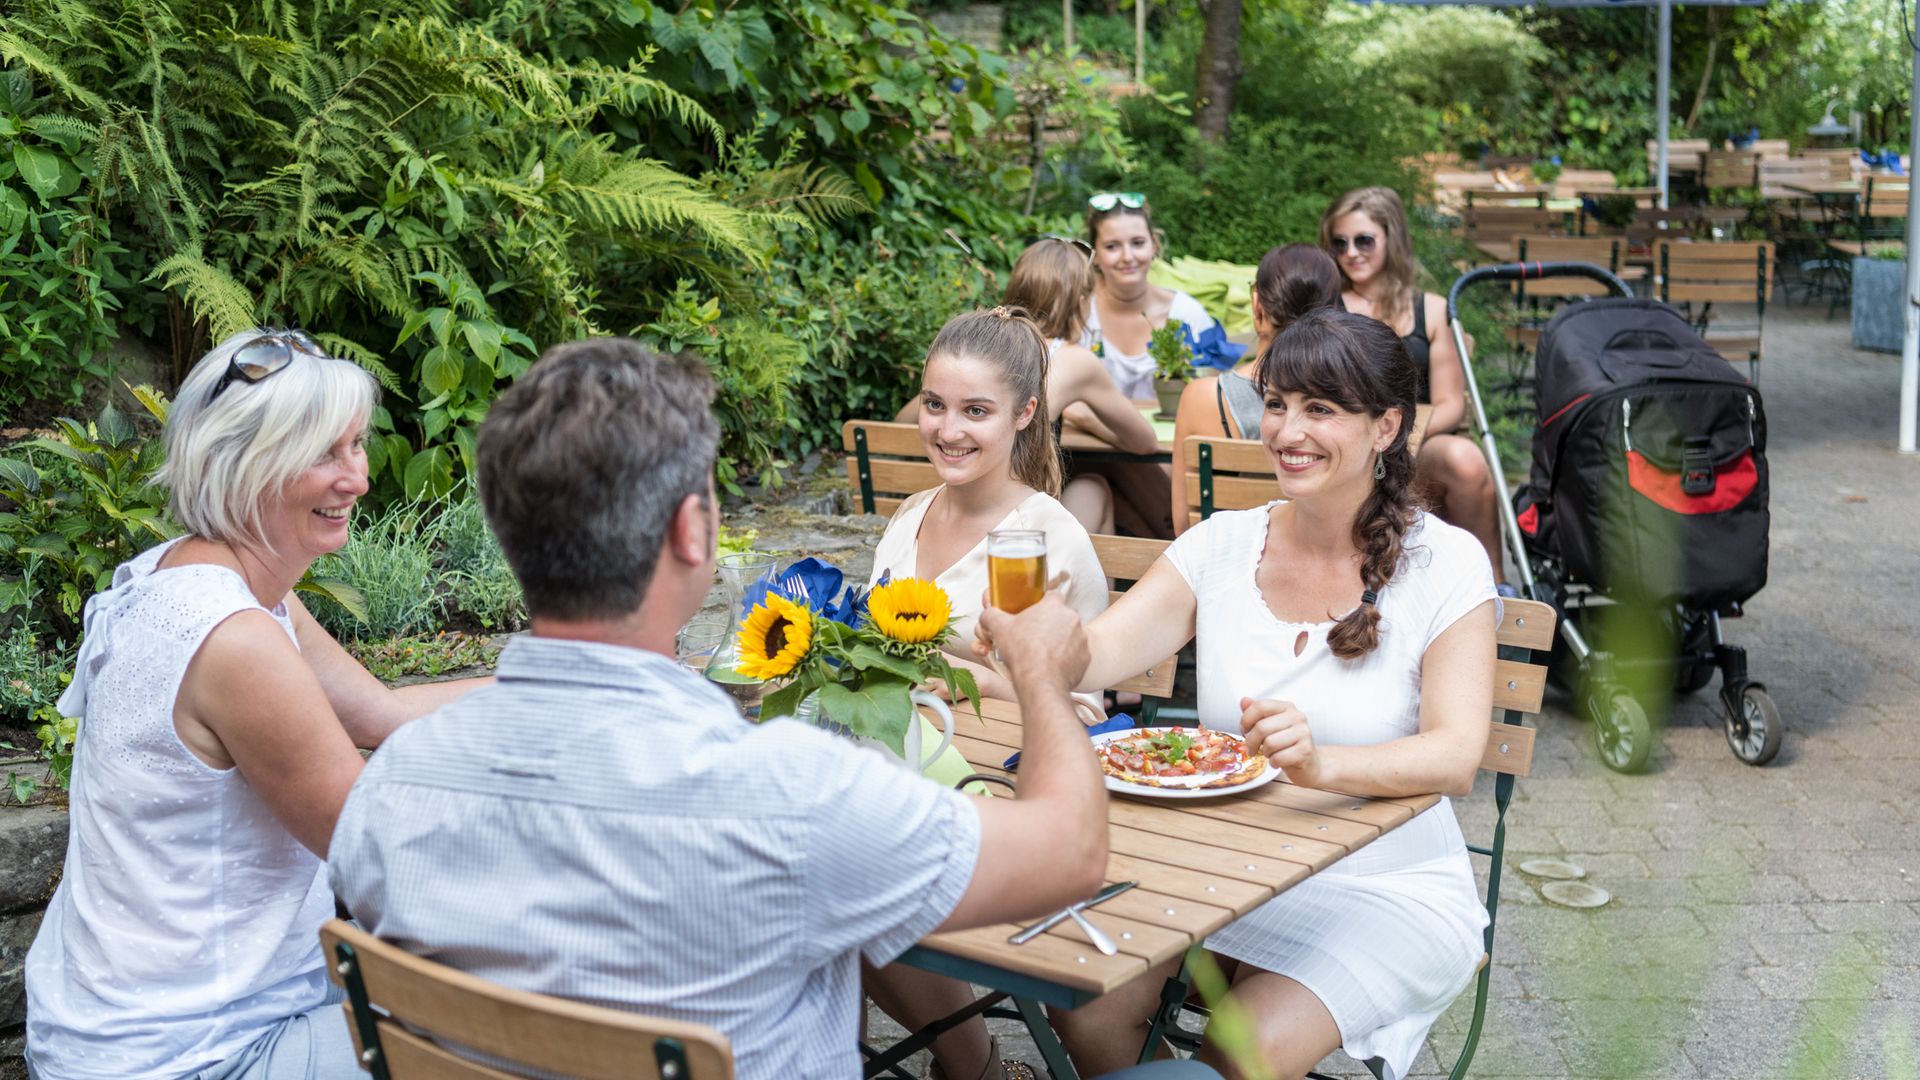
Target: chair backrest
{"type": "Point", "coordinates": [401, 1008]}
{"type": "Point", "coordinates": [1718, 274]}
{"type": "Point", "coordinates": [1729, 169]}
{"type": "Point", "coordinates": [1534, 195]}
{"type": "Point", "coordinates": [1886, 197]}
{"type": "Point", "coordinates": [1526, 626]}
{"type": "Point", "coordinates": [1237, 474]}
{"type": "Point", "coordinates": [1128, 558]}
{"type": "Point", "coordinates": [1842, 163]}
{"type": "Point", "coordinates": [1450, 184]}
{"type": "Point", "coordinates": [1500, 224]}
{"type": "Point", "coordinates": [1571, 182]}
{"type": "Point", "coordinates": [887, 462]}
{"type": "Point", "coordinates": [1771, 147]}
{"type": "Point", "coordinates": [1683, 156]}
{"type": "Point", "coordinates": [1601, 251]}
{"type": "Point", "coordinates": [1778, 176]}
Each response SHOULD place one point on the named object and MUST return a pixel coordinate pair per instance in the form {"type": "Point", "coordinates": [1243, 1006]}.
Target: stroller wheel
{"type": "Point", "coordinates": [1755, 729]}
{"type": "Point", "coordinates": [1621, 732]}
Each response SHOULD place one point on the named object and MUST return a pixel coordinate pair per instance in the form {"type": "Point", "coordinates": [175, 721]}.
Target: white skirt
{"type": "Point", "coordinates": [1386, 938]}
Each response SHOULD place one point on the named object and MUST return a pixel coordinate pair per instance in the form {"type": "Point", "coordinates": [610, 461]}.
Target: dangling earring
{"type": "Point", "coordinates": [1379, 467]}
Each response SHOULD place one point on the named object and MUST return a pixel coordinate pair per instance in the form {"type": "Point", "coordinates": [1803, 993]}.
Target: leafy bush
{"type": "Point", "coordinates": [390, 561]}
{"type": "Point", "coordinates": [483, 585]}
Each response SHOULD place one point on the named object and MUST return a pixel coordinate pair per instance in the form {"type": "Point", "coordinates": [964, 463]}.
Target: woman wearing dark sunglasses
{"type": "Point", "coordinates": [1365, 230]}
{"type": "Point", "coordinates": [220, 729]}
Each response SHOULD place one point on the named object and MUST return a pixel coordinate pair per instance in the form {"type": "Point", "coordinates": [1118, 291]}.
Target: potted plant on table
{"type": "Point", "coordinates": [1172, 350]}
{"type": "Point", "coordinates": [857, 661]}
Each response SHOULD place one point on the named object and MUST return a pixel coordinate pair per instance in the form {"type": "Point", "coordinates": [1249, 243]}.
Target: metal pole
{"type": "Point", "coordinates": [1139, 44]}
{"type": "Point", "coordinates": [1066, 14]}
{"type": "Point", "coordinates": [1910, 346]}
{"type": "Point", "coordinates": [1662, 92]}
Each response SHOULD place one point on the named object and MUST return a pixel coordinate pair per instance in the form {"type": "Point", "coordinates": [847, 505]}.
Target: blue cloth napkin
{"type": "Point", "coordinates": [1116, 722]}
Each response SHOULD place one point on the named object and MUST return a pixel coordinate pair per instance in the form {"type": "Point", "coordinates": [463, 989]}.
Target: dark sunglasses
{"type": "Point", "coordinates": [1362, 243]}
{"type": "Point", "coordinates": [268, 354]}
{"type": "Point", "coordinates": [1107, 200]}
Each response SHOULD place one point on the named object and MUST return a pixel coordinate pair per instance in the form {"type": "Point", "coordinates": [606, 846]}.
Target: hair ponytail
{"type": "Point", "coordinates": [1008, 339]}
{"type": "Point", "coordinates": [1360, 365]}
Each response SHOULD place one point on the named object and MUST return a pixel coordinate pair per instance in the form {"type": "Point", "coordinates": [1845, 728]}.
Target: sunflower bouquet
{"type": "Point", "coordinates": [862, 654]}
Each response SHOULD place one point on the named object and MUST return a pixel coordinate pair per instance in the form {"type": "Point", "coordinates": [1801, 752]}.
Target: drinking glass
{"type": "Point", "coordinates": [1016, 568]}
{"type": "Point", "coordinates": [700, 640]}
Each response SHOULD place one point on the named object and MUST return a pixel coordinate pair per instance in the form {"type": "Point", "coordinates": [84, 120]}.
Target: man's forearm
{"type": "Point", "coordinates": [1057, 765]}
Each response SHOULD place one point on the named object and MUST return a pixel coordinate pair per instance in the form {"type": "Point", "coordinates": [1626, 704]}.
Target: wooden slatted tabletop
{"type": "Point", "coordinates": [1200, 865]}
{"type": "Point", "coordinates": [1090, 447]}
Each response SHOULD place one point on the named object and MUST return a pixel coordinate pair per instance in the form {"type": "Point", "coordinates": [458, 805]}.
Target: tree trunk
{"type": "Point", "coordinates": [1706, 72]}
{"type": "Point", "coordinates": [1218, 71]}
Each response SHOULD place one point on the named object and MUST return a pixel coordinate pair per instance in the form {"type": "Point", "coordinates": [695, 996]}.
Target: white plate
{"type": "Point", "coordinates": [1145, 791]}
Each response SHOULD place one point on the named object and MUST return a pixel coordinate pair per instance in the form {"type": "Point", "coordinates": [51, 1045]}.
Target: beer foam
{"type": "Point", "coordinates": [1025, 549]}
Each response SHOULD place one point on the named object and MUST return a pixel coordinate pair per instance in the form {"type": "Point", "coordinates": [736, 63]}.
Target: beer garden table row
{"type": "Point", "coordinates": [1199, 864]}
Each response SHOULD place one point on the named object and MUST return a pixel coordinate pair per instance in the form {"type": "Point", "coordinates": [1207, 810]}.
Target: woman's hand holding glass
{"type": "Point", "coordinates": [1279, 730]}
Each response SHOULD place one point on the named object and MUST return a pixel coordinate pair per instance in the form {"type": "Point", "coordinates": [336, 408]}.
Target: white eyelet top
{"type": "Point", "coordinates": [186, 923]}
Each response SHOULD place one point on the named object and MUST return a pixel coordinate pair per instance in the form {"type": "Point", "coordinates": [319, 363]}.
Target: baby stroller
{"type": "Point", "coordinates": [1645, 511]}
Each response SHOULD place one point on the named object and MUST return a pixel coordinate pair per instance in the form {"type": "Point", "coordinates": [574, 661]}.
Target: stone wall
{"type": "Point", "coordinates": [33, 845]}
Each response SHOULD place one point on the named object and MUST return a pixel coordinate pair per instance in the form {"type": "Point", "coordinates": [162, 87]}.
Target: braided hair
{"type": "Point", "coordinates": [1358, 364]}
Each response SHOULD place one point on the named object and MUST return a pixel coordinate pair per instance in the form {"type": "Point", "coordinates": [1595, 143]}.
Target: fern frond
{"type": "Point", "coordinates": [823, 193]}
{"type": "Point", "coordinates": [17, 50]}
{"type": "Point", "coordinates": [209, 291]}
{"type": "Point", "coordinates": [347, 349]}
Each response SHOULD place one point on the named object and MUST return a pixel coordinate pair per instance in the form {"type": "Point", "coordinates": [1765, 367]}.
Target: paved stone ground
{"type": "Point", "coordinates": [1764, 922]}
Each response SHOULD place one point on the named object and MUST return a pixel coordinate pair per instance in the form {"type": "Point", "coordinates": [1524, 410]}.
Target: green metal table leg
{"type": "Point", "coordinates": [1059, 1066]}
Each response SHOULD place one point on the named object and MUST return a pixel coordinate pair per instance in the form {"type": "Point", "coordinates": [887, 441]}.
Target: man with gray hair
{"type": "Point", "coordinates": [602, 824]}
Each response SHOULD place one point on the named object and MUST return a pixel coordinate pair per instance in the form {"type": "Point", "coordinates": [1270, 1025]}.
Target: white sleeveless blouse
{"type": "Point", "coordinates": [187, 920]}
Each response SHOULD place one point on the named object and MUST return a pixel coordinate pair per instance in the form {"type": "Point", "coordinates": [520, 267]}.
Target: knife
{"type": "Point", "coordinates": [1065, 913]}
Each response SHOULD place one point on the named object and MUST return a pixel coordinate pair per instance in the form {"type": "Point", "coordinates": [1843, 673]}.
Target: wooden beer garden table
{"type": "Point", "coordinates": [1200, 864]}
{"type": "Point", "coordinates": [1083, 445]}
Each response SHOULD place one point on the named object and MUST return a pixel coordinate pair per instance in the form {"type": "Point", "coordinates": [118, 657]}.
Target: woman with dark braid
{"type": "Point", "coordinates": [1349, 635]}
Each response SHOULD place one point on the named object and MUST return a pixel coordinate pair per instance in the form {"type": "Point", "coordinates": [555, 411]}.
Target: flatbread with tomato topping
{"type": "Point", "coordinates": [1189, 758]}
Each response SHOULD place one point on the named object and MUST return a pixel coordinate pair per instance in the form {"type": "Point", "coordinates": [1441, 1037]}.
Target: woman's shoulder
{"type": "Point", "coordinates": [1048, 514]}
{"type": "Point", "coordinates": [1435, 307]}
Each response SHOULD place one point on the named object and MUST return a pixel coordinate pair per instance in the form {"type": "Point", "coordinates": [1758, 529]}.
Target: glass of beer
{"type": "Point", "coordinates": [1016, 568]}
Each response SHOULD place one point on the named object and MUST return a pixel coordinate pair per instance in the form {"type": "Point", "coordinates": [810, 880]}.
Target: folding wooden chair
{"type": "Point", "coordinates": [1496, 226]}
{"type": "Point", "coordinates": [1726, 170]}
{"type": "Point", "coordinates": [1522, 640]}
{"type": "Point", "coordinates": [1724, 274]}
{"type": "Point", "coordinates": [889, 463]}
{"type": "Point", "coordinates": [1126, 559]}
{"type": "Point", "coordinates": [401, 1009]}
{"type": "Point", "coordinates": [1535, 301]}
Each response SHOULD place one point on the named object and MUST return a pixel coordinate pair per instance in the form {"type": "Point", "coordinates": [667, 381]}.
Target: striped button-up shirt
{"type": "Point", "coordinates": [602, 825]}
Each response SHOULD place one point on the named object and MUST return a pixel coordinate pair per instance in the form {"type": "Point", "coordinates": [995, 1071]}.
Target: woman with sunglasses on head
{"type": "Point", "coordinates": [1126, 310]}
{"type": "Point", "coordinates": [1050, 281]}
{"type": "Point", "coordinates": [1349, 637]}
{"type": "Point", "coordinates": [220, 729]}
{"type": "Point", "coordinates": [1365, 230]}
{"type": "Point", "coordinates": [1292, 280]}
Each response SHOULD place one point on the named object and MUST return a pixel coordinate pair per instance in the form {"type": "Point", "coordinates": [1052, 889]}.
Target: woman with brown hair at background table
{"type": "Point", "coordinates": [1292, 280]}
{"type": "Point", "coordinates": [1365, 230]}
{"type": "Point", "coordinates": [1125, 311]}
{"type": "Point", "coordinates": [1051, 283]}
{"type": "Point", "coordinates": [1349, 636]}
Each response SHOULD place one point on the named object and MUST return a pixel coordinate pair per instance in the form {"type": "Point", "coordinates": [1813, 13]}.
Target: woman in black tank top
{"type": "Point", "coordinates": [1365, 231]}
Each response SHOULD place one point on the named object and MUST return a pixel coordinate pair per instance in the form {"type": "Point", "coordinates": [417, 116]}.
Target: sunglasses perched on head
{"type": "Point", "coordinates": [264, 356]}
{"type": "Point", "coordinates": [1362, 243]}
{"type": "Point", "coordinates": [1107, 200]}
{"type": "Point", "coordinates": [1084, 247]}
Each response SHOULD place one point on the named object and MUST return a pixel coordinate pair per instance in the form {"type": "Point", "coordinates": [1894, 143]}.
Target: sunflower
{"type": "Point", "coordinates": [909, 610]}
{"type": "Point", "coordinates": [774, 638]}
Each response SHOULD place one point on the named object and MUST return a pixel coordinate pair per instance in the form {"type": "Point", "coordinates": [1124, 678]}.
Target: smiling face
{"type": "Point", "coordinates": [310, 517]}
{"type": "Point", "coordinates": [1355, 228]}
{"type": "Point", "coordinates": [1319, 448]}
{"type": "Point", "coordinates": [968, 419]}
{"type": "Point", "coordinates": [1123, 249]}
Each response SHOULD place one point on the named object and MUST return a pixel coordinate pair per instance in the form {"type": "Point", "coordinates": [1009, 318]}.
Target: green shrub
{"type": "Point", "coordinates": [482, 584]}
{"type": "Point", "coordinates": [390, 561]}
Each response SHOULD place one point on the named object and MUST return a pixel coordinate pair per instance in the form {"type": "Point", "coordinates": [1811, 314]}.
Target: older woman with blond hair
{"type": "Point", "coordinates": [220, 729]}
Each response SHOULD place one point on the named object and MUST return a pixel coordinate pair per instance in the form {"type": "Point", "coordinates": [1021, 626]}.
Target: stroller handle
{"type": "Point", "coordinates": [1529, 271]}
